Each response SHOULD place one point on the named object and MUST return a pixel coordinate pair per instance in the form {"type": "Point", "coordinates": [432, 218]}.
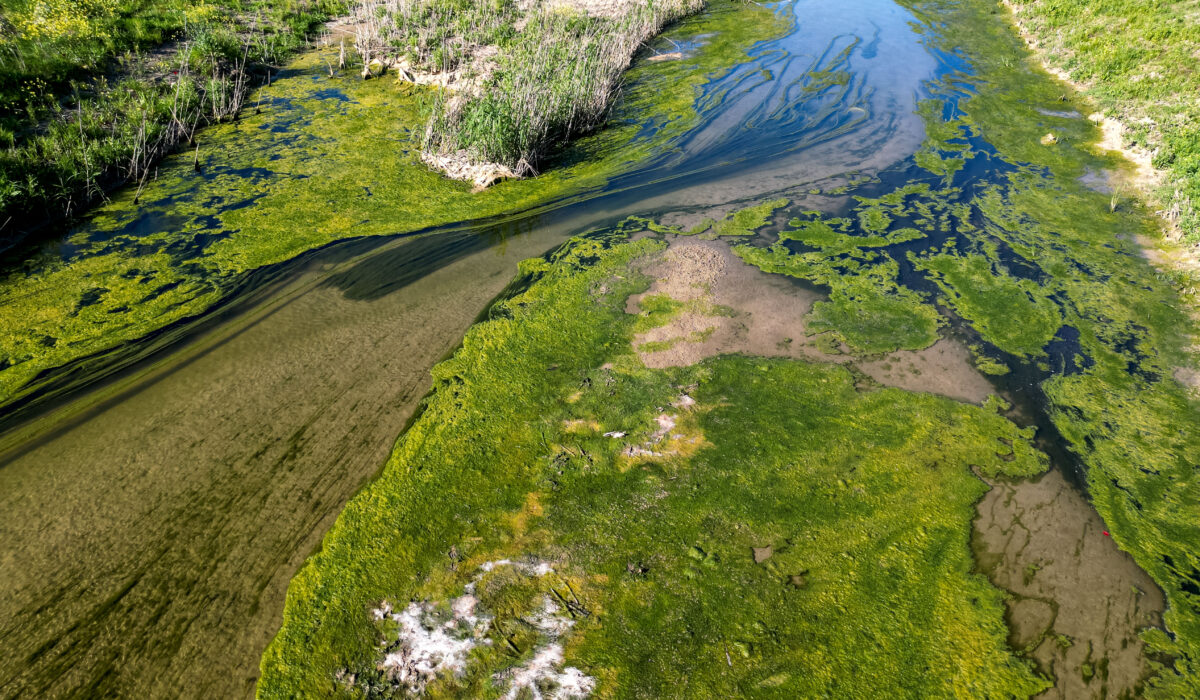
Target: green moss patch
{"type": "Point", "coordinates": [1015, 315]}
{"type": "Point", "coordinates": [863, 499]}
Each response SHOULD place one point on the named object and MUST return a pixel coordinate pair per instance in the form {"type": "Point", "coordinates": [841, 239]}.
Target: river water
{"type": "Point", "coordinates": [155, 500]}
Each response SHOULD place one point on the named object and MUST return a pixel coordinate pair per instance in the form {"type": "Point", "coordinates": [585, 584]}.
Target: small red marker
{"type": "Point", "coordinates": [1106, 533]}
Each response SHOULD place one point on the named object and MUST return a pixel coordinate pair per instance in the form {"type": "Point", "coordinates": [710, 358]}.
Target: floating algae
{"type": "Point", "coordinates": [985, 235]}
{"type": "Point", "coordinates": [318, 159]}
{"type": "Point", "coordinates": [866, 506]}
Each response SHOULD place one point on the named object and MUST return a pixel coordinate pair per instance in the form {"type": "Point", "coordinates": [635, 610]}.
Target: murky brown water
{"type": "Point", "coordinates": [165, 525]}
{"type": "Point", "coordinates": [1078, 602]}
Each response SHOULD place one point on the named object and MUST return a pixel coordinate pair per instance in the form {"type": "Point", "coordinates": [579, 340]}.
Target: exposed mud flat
{"type": "Point", "coordinates": [733, 307]}
{"type": "Point", "coordinates": [1078, 602]}
{"type": "Point", "coordinates": [943, 368]}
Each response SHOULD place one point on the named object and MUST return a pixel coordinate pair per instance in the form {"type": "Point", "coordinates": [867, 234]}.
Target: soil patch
{"type": "Point", "coordinates": [943, 368]}
{"type": "Point", "coordinates": [728, 306]}
{"type": "Point", "coordinates": [731, 307]}
{"type": "Point", "coordinates": [1078, 602]}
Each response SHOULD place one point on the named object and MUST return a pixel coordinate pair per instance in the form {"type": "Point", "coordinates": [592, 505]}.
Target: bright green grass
{"type": "Point", "coordinates": [87, 59]}
{"type": "Point", "coordinates": [866, 498]}
{"type": "Point", "coordinates": [1138, 61]}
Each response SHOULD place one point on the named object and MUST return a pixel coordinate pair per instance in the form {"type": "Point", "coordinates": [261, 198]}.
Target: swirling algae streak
{"type": "Point", "coordinates": [150, 528]}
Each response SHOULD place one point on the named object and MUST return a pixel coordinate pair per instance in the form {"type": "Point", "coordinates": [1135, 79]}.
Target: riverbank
{"type": "Point", "coordinates": [767, 515]}
{"type": "Point", "coordinates": [93, 94]}
{"type": "Point", "coordinates": [1135, 61]}
{"type": "Point", "coordinates": [303, 170]}
{"type": "Point", "coordinates": [517, 79]}
{"type": "Point", "coordinates": [199, 480]}
{"type": "Point", "coordinates": [625, 485]}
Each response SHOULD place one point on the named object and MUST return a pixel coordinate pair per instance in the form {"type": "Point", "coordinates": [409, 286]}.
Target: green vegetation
{"type": "Point", "coordinates": [745, 221]}
{"type": "Point", "coordinates": [93, 92]}
{"type": "Point", "coordinates": [868, 308]}
{"type": "Point", "coordinates": [791, 536]}
{"type": "Point", "coordinates": [1136, 59]}
{"type": "Point", "coordinates": [1136, 430]}
{"type": "Point", "coordinates": [308, 163]}
{"type": "Point", "coordinates": [748, 549]}
{"type": "Point", "coordinates": [525, 78]}
{"type": "Point", "coordinates": [944, 151]}
{"type": "Point", "coordinates": [1015, 315]}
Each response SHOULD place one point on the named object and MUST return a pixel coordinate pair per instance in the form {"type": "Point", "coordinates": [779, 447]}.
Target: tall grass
{"type": "Point", "coordinates": [528, 79]}
{"type": "Point", "coordinates": [1138, 60]}
{"type": "Point", "coordinates": [93, 92]}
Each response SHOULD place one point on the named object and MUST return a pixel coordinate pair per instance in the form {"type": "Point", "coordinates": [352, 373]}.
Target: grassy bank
{"type": "Point", "coordinates": [520, 79]}
{"type": "Point", "coordinates": [1044, 269]}
{"type": "Point", "coordinates": [1136, 59]}
{"type": "Point", "coordinates": [94, 92]}
{"type": "Point", "coordinates": [859, 504]}
{"type": "Point", "coordinates": [302, 172]}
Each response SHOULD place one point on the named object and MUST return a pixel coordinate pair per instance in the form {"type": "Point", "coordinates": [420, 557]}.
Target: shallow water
{"type": "Point", "coordinates": [158, 494]}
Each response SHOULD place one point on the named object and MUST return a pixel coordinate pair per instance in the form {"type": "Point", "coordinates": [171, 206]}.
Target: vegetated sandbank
{"type": "Point", "coordinates": [302, 169]}
{"type": "Point", "coordinates": [518, 79]}
{"type": "Point", "coordinates": [625, 504]}
{"type": "Point", "coordinates": [94, 92]}
{"type": "Point", "coordinates": [1136, 61]}
{"type": "Point", "coordinates": [717, 529]}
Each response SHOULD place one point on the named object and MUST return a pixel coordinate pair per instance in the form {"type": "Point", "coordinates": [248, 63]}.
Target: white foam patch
{"type": "Point", "coordinates": [550, 620]}
{"type": "Point", "coordinates": [666, 423]}
{"type": "Point", "coordinates": [541, 671]}
{"type": "Point", "coordinates": [429, 644]}
{"type": "Point", "coordinates": [535, 568]}
{"type": "Point", "coordinates": [428, 647]}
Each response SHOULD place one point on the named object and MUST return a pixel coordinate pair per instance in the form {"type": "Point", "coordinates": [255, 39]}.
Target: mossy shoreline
{"type": "Point", "coordinates": [301, 172]}
{"type": "Point", "coordinates": [97, 92]}
{"type": "Point", "coordinates": [668, 538]}
{"type": "Point", "coordinates": [1133, 59]}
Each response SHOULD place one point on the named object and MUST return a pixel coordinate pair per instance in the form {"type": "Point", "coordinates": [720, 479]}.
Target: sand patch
{"type": "Point", "coordinates": [733, 307]}
{"type": "Point", "coordinates": [1145, 176]}
{"type": "Point", "coordinates": [1078, 601]}
{"type": "Point", "coordinates": [944, 368]}
{"type": "Point", "coordinates": [1190, 378]}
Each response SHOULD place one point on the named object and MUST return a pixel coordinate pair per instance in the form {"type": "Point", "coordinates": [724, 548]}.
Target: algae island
{"type": "Point", "coordinates": [822, 362]}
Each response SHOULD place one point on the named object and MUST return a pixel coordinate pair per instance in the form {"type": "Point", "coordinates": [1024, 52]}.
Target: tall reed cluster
{"type": "Point", "coordinates": [523, 77]}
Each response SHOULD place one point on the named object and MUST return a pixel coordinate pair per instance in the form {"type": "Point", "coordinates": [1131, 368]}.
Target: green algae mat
{"type": "Point", "coordinates": [564, 522]}
{"type": "Point", "coordinates": [788, 535]}
{"type": "Point", "coordinates": [314, 159]}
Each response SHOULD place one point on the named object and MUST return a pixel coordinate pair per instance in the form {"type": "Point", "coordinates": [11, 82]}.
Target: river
{"type": "Point", "coordinates": [159, 491]}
